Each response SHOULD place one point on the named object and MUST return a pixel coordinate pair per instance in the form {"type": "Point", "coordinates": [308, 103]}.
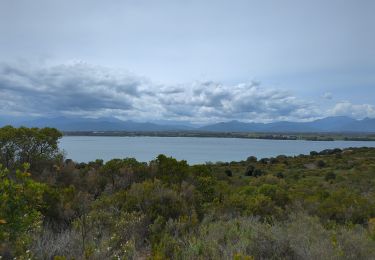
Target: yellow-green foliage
{"type": "Point", "coordinates": [21, 202]}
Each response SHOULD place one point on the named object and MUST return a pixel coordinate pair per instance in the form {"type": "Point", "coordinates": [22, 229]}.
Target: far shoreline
{"type": "Point", "coordinates": [241, 135]}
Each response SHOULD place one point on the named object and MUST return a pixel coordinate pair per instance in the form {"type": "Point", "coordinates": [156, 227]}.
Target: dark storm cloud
{"type": "Point", "coordinates": [66, 88]}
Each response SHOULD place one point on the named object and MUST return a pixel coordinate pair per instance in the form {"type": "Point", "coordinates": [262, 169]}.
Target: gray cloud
{"type": "Point", "coordinates": [249, 102]}
{"type": "Point", "coordinates": [81, 89]}
{"type": "Point", "coordinates": [66, 88]}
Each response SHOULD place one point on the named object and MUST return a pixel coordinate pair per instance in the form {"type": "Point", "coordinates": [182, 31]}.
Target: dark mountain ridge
{"type": "Point", "coordinates": [328, 124]}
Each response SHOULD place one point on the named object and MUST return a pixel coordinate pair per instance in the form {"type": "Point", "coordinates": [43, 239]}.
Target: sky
{"type": "Point", "coordinates": [191, 61]}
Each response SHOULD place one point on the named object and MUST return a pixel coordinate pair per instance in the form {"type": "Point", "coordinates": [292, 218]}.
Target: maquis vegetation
{"type": "Point", "coordinates": [317, 206]}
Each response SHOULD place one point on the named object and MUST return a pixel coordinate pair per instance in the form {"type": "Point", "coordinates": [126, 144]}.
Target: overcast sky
{"type": "Point", "coordinates": [197, 61]}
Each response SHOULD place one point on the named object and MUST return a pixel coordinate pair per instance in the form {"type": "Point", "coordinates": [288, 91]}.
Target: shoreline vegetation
{"type": "Point", "coordinates": [316, 206]}
{"type": "Point", "coordinates": [245, 135]}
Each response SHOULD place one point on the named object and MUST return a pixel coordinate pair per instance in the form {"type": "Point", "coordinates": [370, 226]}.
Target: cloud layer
{"type": "Point", "coordinates": [351, 110]}
{"type": "Point", "coordinates": [81, 89]}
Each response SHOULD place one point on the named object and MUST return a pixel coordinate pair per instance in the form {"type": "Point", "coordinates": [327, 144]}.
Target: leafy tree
{"type": "Point", "coordinates": [123, 172]}
{"type": "Point", "coordinates": [249, 170]}
{"type": "Point", "coordinates": [251, 159]}
{"type": "Point", "coordinates": [228, 172]}
{"type": "Point", "coordinates": [28, 145]}
{"type": "Point", "coordinates": [7, 146]}
{"type": "Point", "coordinates": [170, 170]}
{"type": "Point", "coordinates": [112, 170]}
{"type": "Point", "coordinates": [21, 200]}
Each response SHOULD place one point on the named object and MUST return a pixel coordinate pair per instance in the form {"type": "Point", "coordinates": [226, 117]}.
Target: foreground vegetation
{"type": "Point", "coordinates": [320, 206]}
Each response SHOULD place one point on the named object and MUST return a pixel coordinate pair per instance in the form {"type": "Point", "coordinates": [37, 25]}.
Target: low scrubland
{"type": "Point", "coordinates": [317, 206]}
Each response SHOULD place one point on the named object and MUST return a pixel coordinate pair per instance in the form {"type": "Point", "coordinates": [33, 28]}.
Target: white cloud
{"type": "Point", "coordinates": [211, 101]}
{"type": "Point", "coordinates": [345, 108]}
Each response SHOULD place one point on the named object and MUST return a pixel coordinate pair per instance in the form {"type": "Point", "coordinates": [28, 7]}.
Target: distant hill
{"type": "Point", "coordinates": [328, 124]}
{"type": "Point", "coordinates": [233, 126]}
{"type": "Point", "coordinates": [99, 124]}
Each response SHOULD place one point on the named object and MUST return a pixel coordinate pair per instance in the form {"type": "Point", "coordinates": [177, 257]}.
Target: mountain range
{"type": "Point", "coordinates": [328, 124]}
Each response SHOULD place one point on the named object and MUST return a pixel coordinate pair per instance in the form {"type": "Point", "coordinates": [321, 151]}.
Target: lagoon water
{"type": "Point", "coordinates": [192, 149]}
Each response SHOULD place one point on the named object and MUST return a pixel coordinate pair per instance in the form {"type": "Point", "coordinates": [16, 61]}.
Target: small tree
{"type": "Point", "coordinates": [249, 170]}
{"type": "Point", "coordinates": [21, 200]}
{"type": "Point", "coordinates": [228, 172]}
{"type": "Point", "coordinates": [251, 159]}
{"type": "Point", "coordinates": [170, 170]}
{"type": "Point", "coordinates": [34, 146]}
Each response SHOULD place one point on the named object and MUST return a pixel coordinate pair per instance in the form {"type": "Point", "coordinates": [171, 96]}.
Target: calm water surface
{"type": "Point", "coordinates": [193, 149]}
